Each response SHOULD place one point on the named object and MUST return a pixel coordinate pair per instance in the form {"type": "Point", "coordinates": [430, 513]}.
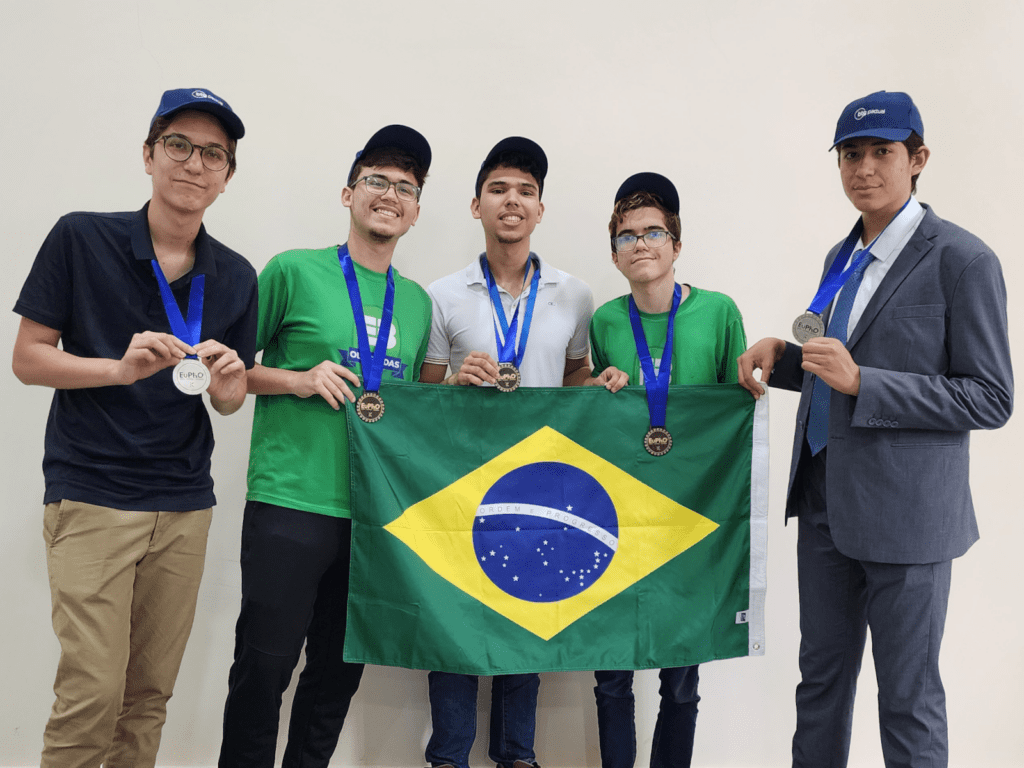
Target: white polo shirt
{"type": "Point", "coordinates": [463, 322]}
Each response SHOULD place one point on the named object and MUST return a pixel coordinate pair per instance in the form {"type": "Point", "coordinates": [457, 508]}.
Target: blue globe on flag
{"type": "Point", "coordinates": [545, 532]}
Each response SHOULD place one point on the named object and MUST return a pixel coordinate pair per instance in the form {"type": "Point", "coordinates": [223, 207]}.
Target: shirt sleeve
{"type": "Point", "coordinates": [241, 335]}
{"type": "Point", "coordinates": [46, 295]}
{"type": "Point", "coordinates": [596, 348]}
{"type": "Point", "coordinates": [579, 344]}
{"type": "Point", "coordinates": [735, 345]}
{"type": "Point", "coordinates": [421, 353]}
{"type": "Point", "coordinates": [439, 348]}
{"type": "Point", "coordinates": [273, 302]}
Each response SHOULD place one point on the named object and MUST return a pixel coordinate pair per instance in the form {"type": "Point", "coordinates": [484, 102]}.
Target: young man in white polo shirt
{"type": "Point", "coordinates": [508, 319]}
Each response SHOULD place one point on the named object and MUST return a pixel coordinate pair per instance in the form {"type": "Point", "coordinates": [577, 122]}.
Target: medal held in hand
{"type": "Point", "coordinates": [808, 326]}
{"type": "Point", "coordinates": [811, 324]}
{"type": "Point", "coordinates": [658, 440]}
{"type": "Point", "coordinates": [190, 376]}
{"type": "Point", "coordinates": [509, 359]}
{"type": "Point", "coordinates": [509, 378]}
{"type": "Point", "coordinates": [369, 405]}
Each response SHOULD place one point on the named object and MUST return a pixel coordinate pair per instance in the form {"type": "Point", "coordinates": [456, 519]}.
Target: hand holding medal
{"type": "Point", "coordinates": [147, 353]}
{"type": "Point", "coordinates": [509, 358]}
{"type": "Point", "coordinates": [811, 324]}
{"type": "Point", "coordinates": [227, 371]}
{"type": "Point", "coordinates": [190, 376]}
{"type": "Point", "coordinates": [477, 368]}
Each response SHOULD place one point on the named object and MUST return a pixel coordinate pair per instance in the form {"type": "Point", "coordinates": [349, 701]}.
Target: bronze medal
{"type": "Point", "coordinates": [508, 379]}
{"type": "Point", "coordinates": [370, 407]}
{"type": "Point", "coordinates": [658, 441]}
{"type": "Point", "coordinates": [808, 326]}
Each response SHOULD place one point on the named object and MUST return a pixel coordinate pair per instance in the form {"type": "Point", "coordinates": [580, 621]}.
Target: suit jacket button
{"type": "Point", "coordinates": [886, 423]}
{"type": "Point", "coordinates": [871, 422]}
{"type": "Point", "coordinates": [895, 423]}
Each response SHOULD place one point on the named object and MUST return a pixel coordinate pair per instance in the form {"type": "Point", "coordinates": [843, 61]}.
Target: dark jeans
{"type": "Point", "coordinates": [453, 716]}
{"type": "Point", "coordinates": [294, 589]}
{"type": "Point", "coordinates": [673, 733]}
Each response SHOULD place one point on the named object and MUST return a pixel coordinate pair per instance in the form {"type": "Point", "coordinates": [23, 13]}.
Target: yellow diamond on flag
{"type": "Point", "coordinates": [547, 531]}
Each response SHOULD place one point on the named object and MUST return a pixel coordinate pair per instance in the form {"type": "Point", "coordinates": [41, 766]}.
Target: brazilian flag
{"type": "Point", "coordinates": [530, 531]}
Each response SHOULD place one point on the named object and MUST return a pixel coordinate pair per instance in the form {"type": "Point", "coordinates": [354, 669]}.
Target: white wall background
{"type": "Point", "coordinates": [736, 101]}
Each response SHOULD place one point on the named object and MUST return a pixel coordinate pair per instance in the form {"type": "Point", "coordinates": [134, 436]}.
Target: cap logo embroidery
{"type": "Point", "coordinates": [205, 95]}
{"type": "Point", "coordinates": [861, 113]}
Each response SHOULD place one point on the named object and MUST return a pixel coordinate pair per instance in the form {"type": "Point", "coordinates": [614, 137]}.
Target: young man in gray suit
{"type": "Point", "coordinates": [915, 356]}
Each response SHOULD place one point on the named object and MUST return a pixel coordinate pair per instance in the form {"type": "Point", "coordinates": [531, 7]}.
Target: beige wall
{"type": "Point", "coordinates": [735, 101]}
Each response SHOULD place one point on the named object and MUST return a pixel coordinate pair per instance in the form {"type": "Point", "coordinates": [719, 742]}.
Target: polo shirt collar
{"type": "Point", "coordinates": [548, 275]}
{"type": "Point", "coordinates": [142, 245]}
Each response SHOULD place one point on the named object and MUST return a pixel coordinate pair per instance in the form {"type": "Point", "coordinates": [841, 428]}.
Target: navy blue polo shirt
{"type": "Point", "coordinates": [145, 446]}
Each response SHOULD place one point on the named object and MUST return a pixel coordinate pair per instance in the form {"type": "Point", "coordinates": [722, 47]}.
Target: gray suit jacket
{"type": "Point", "coordinates": [934, 362]}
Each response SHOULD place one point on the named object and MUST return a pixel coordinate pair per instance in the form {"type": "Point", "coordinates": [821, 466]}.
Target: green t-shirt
{"type": "Point", "coordinates": [708, 338]}
{"type": "Point", "coordinates": [299, 453]}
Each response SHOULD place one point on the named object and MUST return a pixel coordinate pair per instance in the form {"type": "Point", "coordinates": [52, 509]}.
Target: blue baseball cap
{"type": "Point", "coordinates": [204, 100]}
{"type": "Point", "coordinates": [884, 115]}
{"type": "Point", "coordinates": [654, 183]}
{"type": "Point", "coordinates": [400, 137]}
{"type": "Point", "coordinates": [523, 146]}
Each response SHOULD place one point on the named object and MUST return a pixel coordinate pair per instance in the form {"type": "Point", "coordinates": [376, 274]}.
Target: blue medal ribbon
{"type": "Point", "coordinates": [372, 364]}
{"type": "Point", "coordinates": [656, 383]}
{"type": "Point", "coordinates": [189, 329]}
{"type": "Point", "coordinates": [506, 340]}
{"type": "Point", "coordinates": [836, 276]}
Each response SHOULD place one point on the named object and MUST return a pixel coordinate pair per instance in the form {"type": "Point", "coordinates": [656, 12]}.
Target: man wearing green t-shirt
{"type": "Point", "coordinates": [707, 337]}
{"type": "Point", "coordinates": [297, 526]}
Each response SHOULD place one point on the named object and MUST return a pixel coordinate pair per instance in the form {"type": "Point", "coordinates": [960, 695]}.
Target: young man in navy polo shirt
{"type": "Point", "coordinates": [130, 317]}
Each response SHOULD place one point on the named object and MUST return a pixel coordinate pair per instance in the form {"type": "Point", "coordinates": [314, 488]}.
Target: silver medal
{"type": "Point", "coordinates": [808, 326]}
{"type": "Point", "coordinates": [191, 376]}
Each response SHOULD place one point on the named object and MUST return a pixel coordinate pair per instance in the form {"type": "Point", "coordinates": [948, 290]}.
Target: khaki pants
{"type": "Point", "coordinates": [124, 588]}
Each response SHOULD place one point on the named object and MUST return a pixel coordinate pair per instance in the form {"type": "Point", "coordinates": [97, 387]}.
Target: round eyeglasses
{"type": "Point", "coordinates": [654, 239]}
{"type": "Point", "coordinates": [379, 185]}
{"type": "Point", "coordinates": [179, 148]}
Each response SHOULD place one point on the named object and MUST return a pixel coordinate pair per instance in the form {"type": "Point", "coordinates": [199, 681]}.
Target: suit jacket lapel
{"type": "Point", "coordinates": [912, 253]}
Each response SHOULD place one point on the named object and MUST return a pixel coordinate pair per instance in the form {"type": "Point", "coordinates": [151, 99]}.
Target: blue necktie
{"type": "Point", "coordinates": [817, 422]}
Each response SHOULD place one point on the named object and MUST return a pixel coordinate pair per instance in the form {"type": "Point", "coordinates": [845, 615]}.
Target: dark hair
{"type": "Point", "coordinates": [511, 159]}
{"type": "Point", "coordinates": [388, 157]}
{"type": "Point", "coordinates": [161, 124]}
{"type": "Point", "coordinates": [643, 199]}
{"type": "Point", "coordinates": [913, 143]}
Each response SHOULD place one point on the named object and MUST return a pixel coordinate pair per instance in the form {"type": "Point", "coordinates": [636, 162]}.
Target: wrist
{"type": "Point", "coordinates": [118, 373]}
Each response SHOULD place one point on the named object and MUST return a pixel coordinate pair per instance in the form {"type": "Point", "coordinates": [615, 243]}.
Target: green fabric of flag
{"type": "Point", "coordinates": [495, 533]}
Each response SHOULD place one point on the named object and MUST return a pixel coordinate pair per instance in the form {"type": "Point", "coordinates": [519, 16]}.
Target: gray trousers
{"type": "Point", "coordinates": [905, 607]}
